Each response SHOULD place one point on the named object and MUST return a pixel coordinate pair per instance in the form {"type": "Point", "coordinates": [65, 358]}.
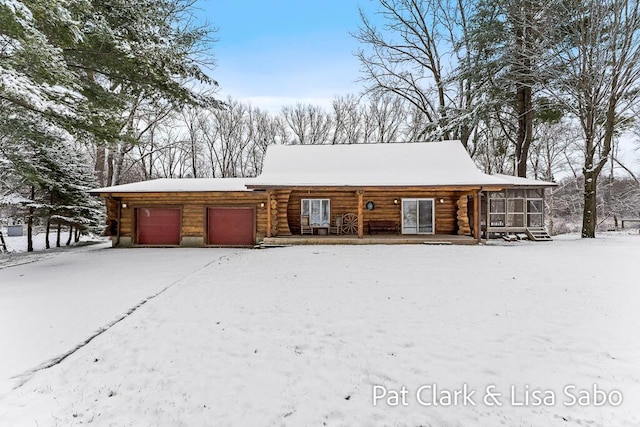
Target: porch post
{"type": "Point", "coordinates": [476, 216]}
{"type": "Point", "coordinates": [360, 214]}
{"type": "Point", "coordinates": [268, 205]}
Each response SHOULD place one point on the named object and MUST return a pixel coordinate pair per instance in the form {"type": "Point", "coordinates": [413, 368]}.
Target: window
{"type": "Point", "coordinates": [515, 212]}
{"type": "Point", "coordinates": [497, 209]}
{"type": "Point", "coordinates": [318, 211]}
{"type": "Point", "coordinates": [534, 213]}
{"type": "Point", "coordinates": [417, 216]}
{"type": "Point", "coordinates": [516, 208]}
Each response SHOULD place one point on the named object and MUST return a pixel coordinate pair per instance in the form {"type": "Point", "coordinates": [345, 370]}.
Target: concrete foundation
{"type": "Point", "coordinates": [192, 242]}
{"type": "Point", "coordinates": [125, 242]}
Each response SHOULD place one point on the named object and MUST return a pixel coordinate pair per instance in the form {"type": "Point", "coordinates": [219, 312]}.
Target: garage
{"type": "Point", "coordinates": [231, 226]}
{"type": "Point", "coordinates": [158, 226]}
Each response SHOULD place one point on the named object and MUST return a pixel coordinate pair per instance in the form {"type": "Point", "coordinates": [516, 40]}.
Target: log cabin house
{"type": "Point", "coordinates": [363, 193]}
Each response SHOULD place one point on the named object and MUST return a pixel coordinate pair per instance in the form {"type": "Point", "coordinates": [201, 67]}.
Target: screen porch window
{"type": "Point", "coordinates": [515, 212]}
{"type": "Point", "coordinates": [534, 213]}
{"type": "Point", "coordinates": [515, 208]}
{"type": "Point", "coordinates": [497, 209]}
{"type": "Point", "coordinates": [318, 211]}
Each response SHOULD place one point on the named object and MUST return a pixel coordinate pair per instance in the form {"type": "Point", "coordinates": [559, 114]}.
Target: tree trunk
{"type": "Point", "coordinates": [523, 16]}
{"type": "Point", "coordinates": [46, 236]}
{"type": "Point", "coordinates": [110, 158]}
{"type": "Point", "coordinates": [30, 231]}
{"type": "Point", "coordinates": [77, 235]}
{"type": "Point", "coordinates": [525, 129]}
{"type": "Point", "coordinates": [58, 236]}
{"type": "Point", "coordinates": [99, 167]}
{"type": "Point", "coordinates": [589, 215]}
{"type": "Point", "coordinates": [30, 222]}
{"type": "Point", "coordinates": [117, 173]}
{"type": "Point", "coordinates": [70, 235]}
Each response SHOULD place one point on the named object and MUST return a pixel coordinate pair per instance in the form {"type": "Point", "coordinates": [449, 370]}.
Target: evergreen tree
{"type": "Point", "coordinates": [136, 53]}
{"type": "Point", "coordinates": [77, 71]}
{"type": "Point", "coordinates": [507, 50]}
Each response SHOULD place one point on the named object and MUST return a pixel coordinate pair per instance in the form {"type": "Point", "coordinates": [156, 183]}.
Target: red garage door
{"type": "Point", "coordinates": [231, 226]}
{"type": "Point", "coordinates": [158, 226]}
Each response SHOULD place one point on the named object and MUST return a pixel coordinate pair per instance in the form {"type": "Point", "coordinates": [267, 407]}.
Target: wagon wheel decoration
{"type": "Point", "coordinates": [350, 223]}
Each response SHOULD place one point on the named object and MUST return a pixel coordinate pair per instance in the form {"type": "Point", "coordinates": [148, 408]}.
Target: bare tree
{"type": "Point", "coordinates": [414, 55]}
{"type": "Point", "coordinates": [555, 148]}
{"type": "Point", "coordinates": [192, 141]}
{"type": "Point", "coordinates": [230, 135]}
{"type": "Point", "coordinates": [384, 118]}
{"type": "Point", "coordinates": [493, 153]}
{"type": "Point", "coordinates": [347, 115]}
{"type": "Point", "coordinates": [310, 124]}
{"type": "Point", "coordinates": [266, 131]}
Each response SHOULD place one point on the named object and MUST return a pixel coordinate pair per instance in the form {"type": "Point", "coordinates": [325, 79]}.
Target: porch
{"type": "Point", "coordinates": [513, 212]}
{"type": "Point", "coordinates": [383, 239]}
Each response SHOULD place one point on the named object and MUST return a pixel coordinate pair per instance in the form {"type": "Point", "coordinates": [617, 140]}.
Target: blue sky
{"type": "Point", "coordinates": [279, 52]}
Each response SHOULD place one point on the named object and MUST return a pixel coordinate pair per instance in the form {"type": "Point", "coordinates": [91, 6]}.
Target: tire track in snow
{"type": "Point", "coordinates": [25, 376]}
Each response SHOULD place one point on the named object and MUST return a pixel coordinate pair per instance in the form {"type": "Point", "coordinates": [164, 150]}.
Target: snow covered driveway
{"type": "Point", "coordinates": [315, 335]}
{"type": "Point", "coordinates": [58, 299]}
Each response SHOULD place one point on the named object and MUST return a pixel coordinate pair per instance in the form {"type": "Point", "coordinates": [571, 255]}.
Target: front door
{"type": "Point", "coordinates": [417, 216]}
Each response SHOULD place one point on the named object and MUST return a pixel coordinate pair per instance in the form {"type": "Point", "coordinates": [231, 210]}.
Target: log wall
{"type": "Point", "coordinates": [283, 206]}
{"type": "Point", "coordinates": [346, 201]}
{"type": "Point", "coordinates": [194, 209]}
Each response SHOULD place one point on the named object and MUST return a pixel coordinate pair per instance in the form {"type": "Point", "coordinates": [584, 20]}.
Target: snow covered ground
{"type": "Point", "coordinates": [52, 301]}
{"type": "Point", "coordinates": [18, 244]}
{"type": "Point", "coordinates": [315, 335]}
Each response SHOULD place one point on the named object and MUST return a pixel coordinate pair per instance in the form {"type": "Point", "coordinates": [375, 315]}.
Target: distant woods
{"type": "Point", "coordinates": [231, 139]}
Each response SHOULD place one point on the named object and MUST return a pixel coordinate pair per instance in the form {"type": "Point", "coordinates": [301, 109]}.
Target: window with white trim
{"type": "Point", "coordinates": [418, 216]}
{"type": "Point", "coordinates": [318, 211]}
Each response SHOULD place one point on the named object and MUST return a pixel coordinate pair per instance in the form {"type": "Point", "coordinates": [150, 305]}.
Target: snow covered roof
{"type": "Point", "coordinates": [396, 164]}
{"type": "Point", "coordinates": [431, 164]}
{"type": "Point", "coordinates": [179, 185]}
{"type": "Point", "coordinates": [525, 182]}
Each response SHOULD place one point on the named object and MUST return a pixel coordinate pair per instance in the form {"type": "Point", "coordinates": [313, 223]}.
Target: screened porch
{"type": "Point", "coordinates": [514, 210]}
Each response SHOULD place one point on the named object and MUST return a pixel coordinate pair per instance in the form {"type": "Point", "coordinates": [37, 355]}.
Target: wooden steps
{"type": "Point", "coordinates": [538, 234]}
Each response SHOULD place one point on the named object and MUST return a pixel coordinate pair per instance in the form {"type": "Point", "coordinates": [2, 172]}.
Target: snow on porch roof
{"type": "Point", "coordinates": [395, 164]}
{"type": "Point", "coordinates": [179, 185]}
{"type": "Point", "coordinates": [525, 182]}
